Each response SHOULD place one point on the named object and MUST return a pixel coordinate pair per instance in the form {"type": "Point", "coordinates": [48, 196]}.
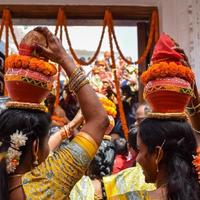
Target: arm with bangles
{"type": "Point", "coordinates": [96, 120]}
{"type": "Point", "coordinates": [65, 132]}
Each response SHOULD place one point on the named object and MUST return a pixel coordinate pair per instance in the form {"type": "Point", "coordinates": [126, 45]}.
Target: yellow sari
{"type": "Point", "coordinates": [127, 184]}
{"type": "Point", "coordinates": [56, 176]}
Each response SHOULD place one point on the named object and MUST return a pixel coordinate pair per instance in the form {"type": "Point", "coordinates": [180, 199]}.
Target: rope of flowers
{"type": "Point", "coordinates": [120, 105]}
{"type": "Point", "coordinates": [7, 23]}
{"type": "Point", "coordinates": [153, 27]}
{"type": "Point", "coordinates": [150, 39]}
{"type": "Point", "coordinates": [79, 61]}
{"type": "Point", "coordinates": [157, 33]}
{"type": "Point", "coordinates": [58, 74]}
{"type": "Point", "coordinates": [1, 28]}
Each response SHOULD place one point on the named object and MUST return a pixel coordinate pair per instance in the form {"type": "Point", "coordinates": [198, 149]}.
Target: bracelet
{"type": "Point", "coordinates": [66, 133]}
{"type": "Point", "coordinates": [76, 82]}
{"type": "Point", "coordinates": [78, 76]}
{"type": "Point", "coordinates": [83, 83]}
{"type": "Point", "coordinates": [76, 70]}
{"type": "Point", "coordinates": [78, 73]}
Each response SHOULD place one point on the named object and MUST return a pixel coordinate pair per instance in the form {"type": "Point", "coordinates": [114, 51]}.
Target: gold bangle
{"type": "Point", "coordinates": [76, 70]}
{"type": "Point", "coordinates": [83, 83]}
{"type": "Point", "coordinates": [76, 82]}
{"type": "Point", "coordinates": [79, 73]}
{"type": "Point", "coordinates": [66, 132]}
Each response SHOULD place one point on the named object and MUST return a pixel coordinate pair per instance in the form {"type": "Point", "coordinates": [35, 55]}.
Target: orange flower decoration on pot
{"type": "Point", "coordinates": [32, 63]}
{"type": "Point", "coordinates": [164, 69]}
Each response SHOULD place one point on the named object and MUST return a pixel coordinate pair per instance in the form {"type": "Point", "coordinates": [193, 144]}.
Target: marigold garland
{"type": "Point", "coordinates": [116, 81]}
{"type": "Point", "coordinates": [196, 162]}
{"type": "Point", "coordinates": [109, 106]}
{"type": "Point", "coordinates": [34, 64]}
{"type": "Point", "coordinates": [164, 69]}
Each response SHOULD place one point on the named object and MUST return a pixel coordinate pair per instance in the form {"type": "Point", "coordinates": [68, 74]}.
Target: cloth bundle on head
{"type": "Point", "coordinates": [28, 78]}
{"type": "Point", "coordinates": [168, 83]}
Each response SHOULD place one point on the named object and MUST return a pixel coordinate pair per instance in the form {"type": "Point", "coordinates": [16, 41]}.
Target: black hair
{"type": "Point", "coordinates": [35, 124]}
{"type": "Point", "coordinates": [179, 146]}
{"type": "Point", "coordinates": [49, 103]}
{"type": "Point", "coordinates": [132, 137]}
{"type": "Point", "coordinates": [121, 146]}
{"type": "Point", "coordinates": [102, 163]}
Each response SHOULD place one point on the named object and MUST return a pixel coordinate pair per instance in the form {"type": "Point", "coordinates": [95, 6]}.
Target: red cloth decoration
{"type": "Point", "coordinates": [163, 50]}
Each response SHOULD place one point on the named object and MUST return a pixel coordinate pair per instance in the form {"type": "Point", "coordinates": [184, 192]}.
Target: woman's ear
{"type": "Point", "coordinates": [159, 154]}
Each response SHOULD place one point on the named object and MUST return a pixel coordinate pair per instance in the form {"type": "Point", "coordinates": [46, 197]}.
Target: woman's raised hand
{"type": "Point", "coordinates": [55, 50]}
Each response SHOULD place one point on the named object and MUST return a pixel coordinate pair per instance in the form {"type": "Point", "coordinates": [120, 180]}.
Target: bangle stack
{"type": "Point", "coordinates": [193, 110]}
{"type": "Point", "coordinates": [66, 132]}
{"type": "Point", "coordinates": [77, 80]}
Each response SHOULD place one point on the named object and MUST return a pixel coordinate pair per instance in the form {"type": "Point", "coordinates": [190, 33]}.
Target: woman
{"type": "Point", "coordinates": [35, 175]}
{"type": "Point", "coordinates": [91, 187]}
{"type": "Point", "coordinates": [165, 140]}
{"type": "Point", "coordinates": [165, 152]}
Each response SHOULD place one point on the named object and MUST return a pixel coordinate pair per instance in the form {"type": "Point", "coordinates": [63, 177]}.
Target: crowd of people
{"type": "Point", "coordinates": [77, 149]}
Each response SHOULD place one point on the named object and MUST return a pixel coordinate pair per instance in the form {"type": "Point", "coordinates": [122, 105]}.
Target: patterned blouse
{"type": "Point", "coordinates": [56, 176]}
{"type": "Point", "coordinates": [128, 184]}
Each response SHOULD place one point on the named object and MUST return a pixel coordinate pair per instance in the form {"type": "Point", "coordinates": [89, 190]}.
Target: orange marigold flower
{"type": "Point", "coordinates": [164, 69]}
{"type": "Point", "coordinates": [10, 61]}
{"type": "Point", "coordinates": [18, 62]}
{"type": "Point", "coordinates": [46, 72]}
{"type": "Point", "coordinates": [25, 61]}
{"type": "Point", "coordinates": [34, 64]}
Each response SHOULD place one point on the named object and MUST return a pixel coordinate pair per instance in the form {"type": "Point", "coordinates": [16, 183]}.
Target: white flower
{"type": "Point", "coordinates": [12, 160]}
{"type": "Point", "coordinates": [18, 139]}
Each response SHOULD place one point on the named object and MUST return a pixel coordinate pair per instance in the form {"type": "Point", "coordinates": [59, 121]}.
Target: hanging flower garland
{"type": "Point", "coordinates": [157, 33]}
{"type": "Point", "coordinates": [153, 27]}
{"type": "Point", "coordinates": [120, 105]}
{"type": "Point", "coordinates": [79, 61]}
{"type": "Point", "coordinates": [150, 39]}
{"type": "Point", "coordinates": [7, 23]}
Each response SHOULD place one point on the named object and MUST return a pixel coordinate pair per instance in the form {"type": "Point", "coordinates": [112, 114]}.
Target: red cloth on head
{"type": "Point", "coordinates": [163, 50]}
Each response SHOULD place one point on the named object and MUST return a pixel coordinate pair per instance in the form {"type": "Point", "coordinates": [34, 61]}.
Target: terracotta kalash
{"type": "Point", "coordinates": [168, 83]}
{"type": "Point", "coordinates": [28, 78]}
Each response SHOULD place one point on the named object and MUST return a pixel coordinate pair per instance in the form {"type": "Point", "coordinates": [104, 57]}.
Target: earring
{"type": "Point", "coordinates": [157, 169]}
{"type": "Point", "coordinates": [35, 163]}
